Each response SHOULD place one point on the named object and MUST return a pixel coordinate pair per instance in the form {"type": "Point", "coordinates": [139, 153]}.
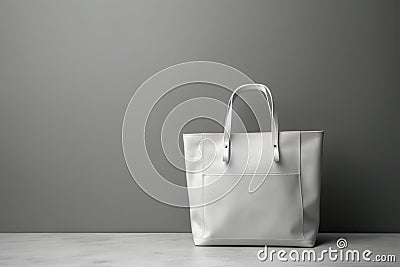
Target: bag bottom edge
{"type": "Point", "coordinates": [253, 242]}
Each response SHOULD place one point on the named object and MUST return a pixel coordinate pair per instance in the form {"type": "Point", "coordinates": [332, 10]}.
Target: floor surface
{"type": "Point", "coordinates": [110, 249]}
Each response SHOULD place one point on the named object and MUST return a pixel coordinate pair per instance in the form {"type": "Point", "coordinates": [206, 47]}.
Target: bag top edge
{"type": "Point", "coordinates": [311, 131]}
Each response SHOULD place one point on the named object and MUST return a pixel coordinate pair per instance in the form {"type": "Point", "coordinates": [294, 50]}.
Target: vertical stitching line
{"type": "Point", "coordinates": [301, 187]}
{"type": "Point", "coordinates": [202, 185]}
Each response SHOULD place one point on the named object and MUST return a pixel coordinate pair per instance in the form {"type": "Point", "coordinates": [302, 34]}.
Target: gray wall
{"type": "Point", "coordinates": [69, 68]}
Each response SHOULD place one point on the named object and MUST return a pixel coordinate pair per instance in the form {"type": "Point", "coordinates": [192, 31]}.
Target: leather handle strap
{"type": "Point", "coordinates": [273, 116]}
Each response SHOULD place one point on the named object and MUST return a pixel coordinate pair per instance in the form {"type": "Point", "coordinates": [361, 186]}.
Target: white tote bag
{"type": "Point", "coordinates": [254, 188]}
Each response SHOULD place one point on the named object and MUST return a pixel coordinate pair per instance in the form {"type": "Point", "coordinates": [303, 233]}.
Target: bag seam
{"type": "Point", "coordinates": [301, 189]}
{"type": "Point", "coordinates": [202, 186]}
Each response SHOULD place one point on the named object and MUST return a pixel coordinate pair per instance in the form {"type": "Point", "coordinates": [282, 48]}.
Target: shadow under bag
{"type": "Point", "coordinates": [258, 188]}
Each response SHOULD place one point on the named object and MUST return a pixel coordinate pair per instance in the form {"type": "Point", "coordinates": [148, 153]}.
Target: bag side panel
{"type": "Point", "coordinates": [310, 171]}
{"type": "Point", "coordinates": [194, 178]}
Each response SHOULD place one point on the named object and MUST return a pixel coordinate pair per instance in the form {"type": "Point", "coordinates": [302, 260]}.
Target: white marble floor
{"type": "Point", "coordinates": [111, 249]}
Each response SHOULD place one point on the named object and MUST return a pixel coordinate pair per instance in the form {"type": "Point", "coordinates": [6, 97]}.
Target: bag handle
{"type": "Point", "coordinates": [273, 116]}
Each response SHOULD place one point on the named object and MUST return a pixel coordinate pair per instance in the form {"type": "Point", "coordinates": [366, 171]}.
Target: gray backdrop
{"type": "Point", "coordinates": [69, 68]}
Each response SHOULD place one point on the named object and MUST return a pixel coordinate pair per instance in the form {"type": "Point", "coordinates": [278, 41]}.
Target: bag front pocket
{"type": "Point", "coordinates": [273, 212]}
